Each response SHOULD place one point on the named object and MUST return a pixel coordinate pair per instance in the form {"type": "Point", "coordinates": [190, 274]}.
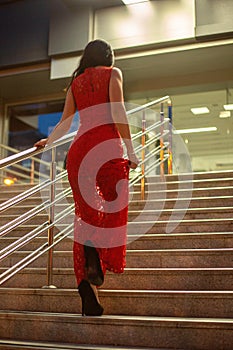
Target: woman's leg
{"type": "Point", "coordinates": [113, 256]}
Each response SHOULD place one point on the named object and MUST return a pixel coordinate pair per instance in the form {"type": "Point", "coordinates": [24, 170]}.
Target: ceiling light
{"type": "Point", "coordinates": [228, 107]}
{"type": "Point", "coordinates": [224, 114]}
{"type": "Point", "coordinates": [130, 2]}
{"type": "Point", "coordinates": [200, 110]}
{"type": "Point", "coordinates": [195, 130]}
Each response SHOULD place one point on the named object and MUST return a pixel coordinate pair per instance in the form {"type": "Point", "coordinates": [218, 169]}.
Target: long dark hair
{"type": "Point", "coordinates": [96, 53]}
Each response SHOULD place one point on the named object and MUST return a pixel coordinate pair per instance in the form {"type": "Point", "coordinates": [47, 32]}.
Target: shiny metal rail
{"type": "Point", "coordinates": [67, 138]}
{"type": "Point", "coordinates": [151, 157]}
{"type": "Point", "coordinates": [26, 173]}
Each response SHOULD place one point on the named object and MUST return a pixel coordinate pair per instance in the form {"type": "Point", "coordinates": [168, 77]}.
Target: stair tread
{"type": "Point", "coordinates": [151, 251]}
{"type": "Point", "coordinates": [113, 318]}
{"type": "Point", "coordinates": [133, 270]}
{"type": "Point", "coordinates": [136, 222]}
{"type": "Point", "coordinates": [191, 189]}
{"type": "Point", "coordinates": [181, 221]}
{"type": "Point", "coordinates": [159, 235]}
{"type": "Point", "coordinates": [65, 346]}
{"type": "Point", "coordinates": [61, 291]}
{"type": "Point", "coordinates": [178, 302]}
{"type": "Point", "coordinates": [162, 211]}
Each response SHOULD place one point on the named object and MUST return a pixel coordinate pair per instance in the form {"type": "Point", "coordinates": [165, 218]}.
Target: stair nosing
{"type": "Point", "coordinates": [130, 320]}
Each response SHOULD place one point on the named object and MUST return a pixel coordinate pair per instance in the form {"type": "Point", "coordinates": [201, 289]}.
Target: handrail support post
{"type": "Point", "coordinates": [51, 220]}
{"type": "Point", "coordinates": [143, 156]}
{"type": "Point", "coordinates": [170, 137]}
{"type": "Point", "coordinates": [32, 173]}
{"type": "Point", "coordinates": [161, 140]}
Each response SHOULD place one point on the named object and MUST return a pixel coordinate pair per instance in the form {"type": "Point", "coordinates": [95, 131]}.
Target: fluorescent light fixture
{"type": "Point", "coordinates": [195, 130]}
{"type": "Point", "coordinates": [225, 114]}
{"type": "Point", "coordinates": [130, 2]}
{"type": "Point", "coordinates": [228, 107]}
{"type": "Point", "coordinates": [200, 110]}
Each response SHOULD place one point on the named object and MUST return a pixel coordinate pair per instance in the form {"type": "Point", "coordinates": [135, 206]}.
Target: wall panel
{"type": "Point", "coordinates": [214, 17]}
{"type": "Point", "coordinates": [146, 23]}
{"type": "Point", "coordinates": [24, 28]}
{"type": "Point", "coordinates": [70, 28]}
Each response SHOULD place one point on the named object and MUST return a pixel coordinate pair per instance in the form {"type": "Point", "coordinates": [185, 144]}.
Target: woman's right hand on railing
{"type": "Point", "coordinates": [133, 160]}
{"type": "Point", "coordinates": [41, 143]}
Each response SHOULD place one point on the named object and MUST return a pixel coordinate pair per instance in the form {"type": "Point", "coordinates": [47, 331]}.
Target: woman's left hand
{"type": "Point", "coordinates": [41, 143]}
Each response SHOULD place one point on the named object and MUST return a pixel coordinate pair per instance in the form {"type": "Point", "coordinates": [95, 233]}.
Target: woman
{"type": "Point", "coordinates": [97, 171]}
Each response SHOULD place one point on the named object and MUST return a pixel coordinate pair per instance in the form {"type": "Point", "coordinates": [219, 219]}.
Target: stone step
{"type": "Point", "coordinates": [169, 303]}
{"type": "Point", "coordinates": [25, 206]}
{"type": "Point", "coordinates": [185, 240]}
{"type": "Point", "coordinates": [136, 278]}
{"type": "Point", "coordinates": [171, 185]}
{"type": "Point", "coordinates": [138, 228]}
{"type": "Point", "coordinates": [32, 200]}
{"type": "Point", "coordinates": [155, 192]}
{"type": "Point", "coordinates": [203, 240]}
{"type": "Point", "coordinates": [66, 244]}
{"type": "Point", "coordinates": [178, 225]}
{"type": "Point", "coordinates": [144, 331]}
{"type": "Point", "coordinates": [190, 214]}
{"type": "Point", "coordinates": [215, 304]}
{"type": "Point", "coordinates": [186, 193]}
{"type": "Point", "coordinates": [198, 205]}
{"type": "Point", "coordinates": [197, 175]}
{"type": "Point", "coordinates": [156, 204]}
{"type": "Point", "coordinates": [33, 345]}
{"type": "Point", "coordinates": [26, 186]}
{"type": "Point", "coordinates": [154, 183]}
{"type": "Point", "coordinates": [29, 201]}
{"type": "Point", "coordinates": [222, 257]}
{"type": "Point", "coordinates": [148, 214]}
{"type": "Point", "coordinates": [196, 202]}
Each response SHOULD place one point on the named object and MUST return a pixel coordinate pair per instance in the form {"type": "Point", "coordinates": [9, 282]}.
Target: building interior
{"type": "Point", "coordinates": [195, 71]}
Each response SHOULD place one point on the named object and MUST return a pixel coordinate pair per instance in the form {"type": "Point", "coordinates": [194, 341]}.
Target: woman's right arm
{"type": "Point", "coordinates": [64, 124]}
{"type": "Point", "coordinates": [119, 114]}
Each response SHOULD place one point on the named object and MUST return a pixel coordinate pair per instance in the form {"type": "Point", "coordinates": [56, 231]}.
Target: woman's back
{"type": "Point", "coordinates": [92, 87]}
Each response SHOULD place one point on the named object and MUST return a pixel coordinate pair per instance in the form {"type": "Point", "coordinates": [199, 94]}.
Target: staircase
{"type": "Point", "coordinates": [176, 292]}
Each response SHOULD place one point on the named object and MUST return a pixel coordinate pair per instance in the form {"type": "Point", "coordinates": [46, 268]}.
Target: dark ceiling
{"type": "Point", "coordinates": [96, 4]}
{"type": "Point", "coordinates": [7, 2]}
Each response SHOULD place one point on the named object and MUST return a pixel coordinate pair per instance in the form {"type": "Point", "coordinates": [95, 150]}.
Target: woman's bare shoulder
{"type": "Point", "coordinates": [116, 73]}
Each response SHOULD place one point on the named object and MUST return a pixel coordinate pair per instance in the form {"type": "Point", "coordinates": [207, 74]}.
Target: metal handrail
{"type": "Point", "coordinates": [34, 150]}
{"type": "Point", "coordinates": [149, 104]}
{"type": "Point", "coordinates": [41, 161]}
{"type": "Point", "coordinates": [26, 172]}
{"type": "Point", "coordinates": [7, 251]}
{"type": "Point", "coordinates": [31, 213]}
{"type": "Point", "coordinates": [22, 196]}
{"type": "Point", "coordinates": [49, 204]}
{"type": "Point", "coordinates": [6, 275]}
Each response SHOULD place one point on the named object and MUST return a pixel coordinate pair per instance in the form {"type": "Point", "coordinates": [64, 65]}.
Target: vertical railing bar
{"type": "Point", "coordinates": [170, 138]}
{"type": "Point", "coordinates": [143, 155]}
{"type": "Point", "coordinates": [32, 174]}
{"type": "Point", "coordinates": [161, 140]}
{"type": "Point", "coordinates": [51, 221]}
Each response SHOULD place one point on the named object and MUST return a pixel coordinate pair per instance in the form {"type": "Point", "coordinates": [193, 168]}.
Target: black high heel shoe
{"type": "Point", "coordinates": [90, 305]}
{"type": "Point", "coordinates": [93, 267]}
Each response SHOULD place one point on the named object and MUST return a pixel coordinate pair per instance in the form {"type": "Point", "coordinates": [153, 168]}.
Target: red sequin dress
{"type": "Point", "coordinates": [98, 175]}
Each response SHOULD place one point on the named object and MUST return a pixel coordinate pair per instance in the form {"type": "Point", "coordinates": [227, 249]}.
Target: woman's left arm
{"type": "Point", "coordinates": [65, 122]}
